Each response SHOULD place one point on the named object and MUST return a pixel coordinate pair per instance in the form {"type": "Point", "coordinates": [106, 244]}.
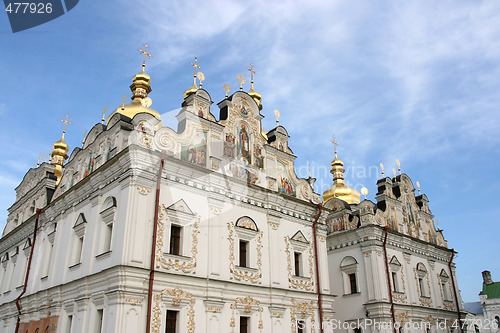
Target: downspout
{"type": "Point", "coordinates": [153, 246]}
{"type": "Point", "coordinates": [27, 271]}
{"type": "Point", "coordinates": [389, 281]}
{"type": "Point", "coordinates": [455, 290]}
{"type": "Point", "coordinates": [320, 303]}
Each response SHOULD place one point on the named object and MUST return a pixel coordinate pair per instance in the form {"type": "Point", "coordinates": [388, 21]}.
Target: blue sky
{"type": "Point", "coordinates": [416, 81]}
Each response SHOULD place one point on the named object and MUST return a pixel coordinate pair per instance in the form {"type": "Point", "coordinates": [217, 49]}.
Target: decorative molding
{"type": "Point", "coordinates": [295, 282]}
{"type": "Point", "coordinates": [171, 262]}
{"type": "Point", "coordinates": [238, 273]}
{"type": "Point", "coordinates": [301, 310]}
{"type": "Point", "coordinates": [143, 190]}
{"type": "Point", "coordinates": [178, 296]}
{"type": "Point", "coordinates": [133, 301]}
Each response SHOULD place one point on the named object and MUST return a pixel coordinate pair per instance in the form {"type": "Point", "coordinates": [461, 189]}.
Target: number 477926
{"type": "Point", "coordinates": [29, 7]}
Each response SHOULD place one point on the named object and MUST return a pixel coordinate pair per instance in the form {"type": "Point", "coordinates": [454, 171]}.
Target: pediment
{"type": "Point", "coordinates": [395, 261]}
{"type": "Point", "coordinates": [180, 206]}
{"type": "Point", "coordinates": [299, 237]}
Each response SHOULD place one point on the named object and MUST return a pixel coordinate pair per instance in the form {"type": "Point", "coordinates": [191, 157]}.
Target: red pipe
{"type": "Point", "coordinates": [27, 271]}
{"type": "Point", "coordinates": [153, 247]}
{"type": "Point", "coordinates": [320, 303]}
{"type": "Point", "coordinates": [389, 281]}
{"type": "Point", "coordinates": [455, 290]}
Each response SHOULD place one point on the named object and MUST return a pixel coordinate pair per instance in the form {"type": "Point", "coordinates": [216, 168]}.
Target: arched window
{"type": "Point", "coordinates": [349, 267]}
{"type": "Point", "coordinates": [421, 276]}
{"type": "Point", "coordinates": [246, 229]}
{"type": "Point", "coordinates": [108, 212]}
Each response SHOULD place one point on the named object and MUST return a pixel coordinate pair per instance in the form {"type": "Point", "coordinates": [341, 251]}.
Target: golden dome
{"type": "Point", "coordinates": [58, 156]}
{"type": "Point", "coordinates": [339, 189]}
{"type": "Point", "coordinates": [130, 110]}
{"type": "Point", "coordinates": [191, 90]}
{"type": "Point", "coordinates": [256, 96]}
{"type": "Point", "coordinates": [140, 88]}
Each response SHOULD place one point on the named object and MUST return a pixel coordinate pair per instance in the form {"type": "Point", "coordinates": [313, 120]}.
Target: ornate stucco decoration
{"type": "Point", "coordinates": [143, 190]}
{"type": "Point", "coordinates": [178, 297]}
{"type": "Point", "coordinates": [240, 273]}
{"type": "Point", "coordinates": [301, 310]}
{"type": "Point", "coordinates": [299, 282]}
{"type": "Point", "coordinates": [172, 262]}
{"type": "Point", "coordinates": [247, 305]}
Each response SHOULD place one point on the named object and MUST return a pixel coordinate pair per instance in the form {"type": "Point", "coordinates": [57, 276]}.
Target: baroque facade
{"type": "Point", "coordinates": [207, 228]}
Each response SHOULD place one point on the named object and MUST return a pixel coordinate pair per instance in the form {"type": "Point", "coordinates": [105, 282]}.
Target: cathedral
{"type": "Point", "coordinates": [207, 228]}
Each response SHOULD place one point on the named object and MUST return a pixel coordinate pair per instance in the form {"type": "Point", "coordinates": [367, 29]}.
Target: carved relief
{"type": "Point", "coordinates": [302, 310]}
{"type": "Point", "coordinates": [239, 273]}
{"type": "Point", "coordinates": [305, 283]}
{"type": "Point", "coordinates": [177, 295]}
{"type": "Point", "coordinates": [184, 264]}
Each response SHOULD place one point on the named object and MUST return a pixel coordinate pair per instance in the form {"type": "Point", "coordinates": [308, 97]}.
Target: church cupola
{"type": "Point", "coordinates": [140, 87]}
{"type": "Point", "coordinates": [191, 90]}
{"type": "Point", "coordinates": [59, 153]}
{"type": "Point", "coordinates": [339, 189]}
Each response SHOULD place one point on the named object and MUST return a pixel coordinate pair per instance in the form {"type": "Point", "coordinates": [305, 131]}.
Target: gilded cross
{"type": "Point", "coordinates": [196, 66]}
{"type": "Point", "coordinates": [335, 144]}
{"type": "Point", "coordinates": [145, 53]}
{"type": "Point", "coordinates": [66, 122]}
{"type": "Point", "coordinates": [252, 71]}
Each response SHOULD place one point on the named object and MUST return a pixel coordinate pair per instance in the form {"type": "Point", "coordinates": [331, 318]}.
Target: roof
{"type": "Point", "coordinates": [473, 307]}
{"type": "Point", "coordinates": [491, 290]}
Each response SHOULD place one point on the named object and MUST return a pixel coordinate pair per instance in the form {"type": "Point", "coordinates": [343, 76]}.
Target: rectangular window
{"type": "Point", "coordinates": [421, 286]}
{"type": "Point", "coordinates": [106, 240]}
{"type": "Point", "coordinates": [298, 262]}
{"type": "Point", "coordinates": [46, 263]}
{"type": "Point", "coordinates": [352, 283]}
{"type": "Point", "coordinates": [301, 326]}
{"type": "Point", "coordinates": [77, 253]}
{"type": "Point", "coordinates": [98, 321]}
{"type": "Point", "coordinates": [445, 291]}
{"type": "Point", "coordinates": [244, 324]}
{"type": "Point", "coordinates": [175, 240]}
{"type": "Point", "coordinates": [357, 330]}
{"type": "Point", "coordinates": [395, 281]}
{"type": "Point", "coordinates": [69, 323]}
{"type": "Point", "coordinates": [243, 253]}
{"type": "Point", "coordinates": [171, 324]}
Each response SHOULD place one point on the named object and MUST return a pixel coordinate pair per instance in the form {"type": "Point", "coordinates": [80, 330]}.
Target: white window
{"type": "Point", "coordinates": [421, 279]}
{"type": "Point", "coordinates": [79, 235]}
{"type": "Point", "coordinates": [395, 275]}
{"type": "Point", "coordinates": [349, 267]}
{"type": "Point", "coordinates": [107, 214]}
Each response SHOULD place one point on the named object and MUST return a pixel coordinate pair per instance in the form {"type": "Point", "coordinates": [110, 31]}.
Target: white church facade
{"type": "Point", "coordinates": [207, 228]}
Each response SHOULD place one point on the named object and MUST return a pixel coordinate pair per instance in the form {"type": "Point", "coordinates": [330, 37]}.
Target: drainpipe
{"type": "Point", "coordinates": [27, 271]}
{"type": "Point", "coordinates": [455, 290]}
{"type": "Point", "coordinates": [389, 281]}
{"type": "Point", "coordinates": [320, 303]}
{"type": "Point", "coordinates": [153, 246]}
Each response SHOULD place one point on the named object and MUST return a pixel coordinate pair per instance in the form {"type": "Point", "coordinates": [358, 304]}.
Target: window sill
{"type": "Point", "coordinates": [103, 255]}
{"type": "Point", "coordinates": [398, 292]}
{"type": "Point", "coordinates": [248, 269]}
{"type": "Point", "coordinates": [425, 297]}
{"type": "Point", "coordinates": [19, 287]}
{"type": "Point", "coordinates": [44, 278]}
{"type": "Point", "coordinates": [175, 256]}
{"type": "Point", "coordinates": [352, 294]}
{"type": "Point", "coordinates": [75, 266]}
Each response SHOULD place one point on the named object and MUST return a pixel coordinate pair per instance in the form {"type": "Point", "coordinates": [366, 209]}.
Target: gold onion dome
{"type": "Point", "coordinates": [59, 155]}
{"type": "Point", "coordinates": [191, 90]}
{"type": "Point", "coordinates": [256, 96]}
{"type": "Point", "coordinates": [339, 189]}
{"type": "Point", "coordinates": [140, 87]}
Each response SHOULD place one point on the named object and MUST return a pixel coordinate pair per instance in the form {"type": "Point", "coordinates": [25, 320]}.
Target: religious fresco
{"type": "Point", "coordinates": [196, 151]}
{"type": "Point", "coordinates": [393, 224]}
{"type": "Point", "coordinates": [144, 127]}
{"type": "Point", "coordinates": [244, 143]}
{"type": "Point", "coordinates": [243, 110]}
{"type": "Point", "coordinates": [335, 224]}
{"type": "Point", "coordinates": [259, 159]}
{"type": "Point", "coordinates": [285, 184]}
{"type": "Point", "coordinates": [90, 165]}
{"type": "Point", "coordinates": [243, 172]}
{"type": "Point", "coordinates": [229, 144]}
